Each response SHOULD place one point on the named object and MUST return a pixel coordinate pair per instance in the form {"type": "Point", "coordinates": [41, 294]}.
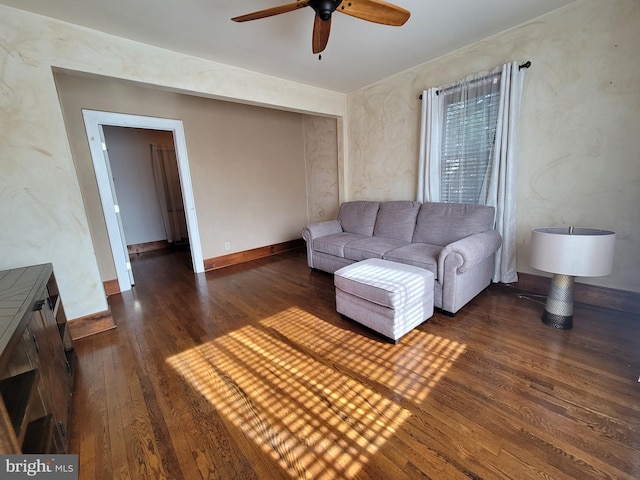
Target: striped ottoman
{"type": "Point", "coordinates": [388, 297]}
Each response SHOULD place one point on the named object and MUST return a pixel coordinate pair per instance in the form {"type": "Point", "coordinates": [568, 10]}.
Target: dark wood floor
{"type": "Point", "coordinates": [248, 372]}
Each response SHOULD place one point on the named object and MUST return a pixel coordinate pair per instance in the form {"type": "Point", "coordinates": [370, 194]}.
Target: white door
{"type": "Point", "coordinates": [110, 206]}
{"type": "Point", "coordinates": [116, 207]}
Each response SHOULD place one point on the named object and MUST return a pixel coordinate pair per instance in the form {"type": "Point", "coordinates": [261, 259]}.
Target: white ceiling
{"type": "Point", "coordinates": [358, 53]}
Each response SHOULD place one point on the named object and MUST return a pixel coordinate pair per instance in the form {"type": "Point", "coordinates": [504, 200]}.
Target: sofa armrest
{"type": "Point", "coordinates": [320, 229]}
{"type": "Point", "coordinates": [471, 250]}
{"type": "Point", "coordinates": [317, 230]}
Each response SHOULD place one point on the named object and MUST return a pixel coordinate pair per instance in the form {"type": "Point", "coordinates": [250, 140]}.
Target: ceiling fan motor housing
{"type": "Point", "coordinates": [324, 8]}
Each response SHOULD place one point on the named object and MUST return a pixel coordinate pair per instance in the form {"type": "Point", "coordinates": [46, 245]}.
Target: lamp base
{"type": "Point", "coordinates": [558, 312]}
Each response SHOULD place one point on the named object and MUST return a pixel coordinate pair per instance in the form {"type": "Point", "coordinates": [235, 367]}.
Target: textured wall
{"type": "Point", "coordinates": [579, 138]}
{"type": "Point", "coordinates": [321, 153]}
{"type": "Point", "coordinates": [42, 215]}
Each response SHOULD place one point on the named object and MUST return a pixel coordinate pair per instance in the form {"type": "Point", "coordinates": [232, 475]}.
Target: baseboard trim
{"type": "Point", "coordinates": [147, 247]}
{"type": "Point", "coordinates": [611, 298]}
{"type": "Point", "coordinates": [111, 287]}
{"type": "Point", "coordinates": [91, 324]}
{"type": "Point", "coordinates": [253, 254]}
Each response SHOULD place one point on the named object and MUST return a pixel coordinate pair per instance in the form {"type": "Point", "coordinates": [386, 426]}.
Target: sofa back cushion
{"type": "Point", "coordinates": [444, 223]}
{"type": "Point", "coordinates": [397, 219]}
{"type": "Point", "coordinates": [358, 217]}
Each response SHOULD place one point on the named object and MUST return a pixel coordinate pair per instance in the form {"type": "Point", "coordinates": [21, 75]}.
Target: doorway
{"type": "Point", "coordinates": [147, 185]}
{"type": "Point", "coordinates": [95, 122]}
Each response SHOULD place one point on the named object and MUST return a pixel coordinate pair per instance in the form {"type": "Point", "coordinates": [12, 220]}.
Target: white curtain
{"type": "Point", "coordinates": [430, 141]}
{"type": "Point", "coordinates": [167, 177]}
{"type": "Point", "coordinates": [501, 192]}
{"type": "Point", "coordinates": [498, 184]}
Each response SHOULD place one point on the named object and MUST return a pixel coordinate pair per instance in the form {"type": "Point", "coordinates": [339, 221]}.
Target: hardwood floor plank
{"type": "Point", "coordinates": [114, 421]}
{"type": "Point", "coordinates": [249, 372]}
{"type": "Point", "coordinates": [85, 437]}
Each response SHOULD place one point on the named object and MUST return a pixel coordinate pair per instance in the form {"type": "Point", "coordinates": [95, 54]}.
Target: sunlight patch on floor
{"type": "Point", "coordinates": [315, 397]}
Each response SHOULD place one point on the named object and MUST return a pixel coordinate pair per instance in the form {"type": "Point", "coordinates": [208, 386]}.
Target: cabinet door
{"type": "Point", "coordinates": [23, 396]}
{"type": "Point", "coordinates": [54, 370]}
{"type": "Point", "coordinates": [27, 356]}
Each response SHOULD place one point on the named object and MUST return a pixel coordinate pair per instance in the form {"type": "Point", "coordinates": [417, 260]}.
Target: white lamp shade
{"type": "Point", "coordinates": [579, 252]}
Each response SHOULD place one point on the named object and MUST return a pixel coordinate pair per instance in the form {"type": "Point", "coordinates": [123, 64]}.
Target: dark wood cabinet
{"type": "Point", "coordinates": [37, 362]}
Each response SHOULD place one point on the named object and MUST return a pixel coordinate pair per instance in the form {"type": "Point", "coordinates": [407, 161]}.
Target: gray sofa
{"type": "Point", "coordinates": [456, 242]}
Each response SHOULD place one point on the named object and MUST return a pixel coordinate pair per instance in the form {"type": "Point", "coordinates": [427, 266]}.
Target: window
{"type": "Point", "coordinates": [468, 150]}
{"type": "Point", "coordinates": [468, 136]}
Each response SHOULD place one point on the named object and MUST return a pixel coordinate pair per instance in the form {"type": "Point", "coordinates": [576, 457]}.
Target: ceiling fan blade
{"type": "Point", "coordinates": [321, 30]}
{"type": "Point", "coordinates": [269, 12]}
{"type": "Point", "coordinates": [375, 11]}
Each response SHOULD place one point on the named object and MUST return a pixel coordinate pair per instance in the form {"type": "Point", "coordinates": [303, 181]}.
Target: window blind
{"type": "Point", "coordinates": [467, 143]}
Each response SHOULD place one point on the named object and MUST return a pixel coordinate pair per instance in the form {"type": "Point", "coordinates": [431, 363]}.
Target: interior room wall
{"type": "Point", "coordinates": [247, 163]}
{"type": "Point", "coordinates": [579, 142]}
{"type": "Point", "coordinates": [42, 213]}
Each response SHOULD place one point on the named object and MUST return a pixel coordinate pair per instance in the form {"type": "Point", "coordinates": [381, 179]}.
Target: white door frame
{"type": "Point", "coordinates": [93, 121]}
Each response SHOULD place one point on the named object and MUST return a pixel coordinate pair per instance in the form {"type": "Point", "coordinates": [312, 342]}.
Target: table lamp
{"type": "Point", "coordinates": [569, 252]}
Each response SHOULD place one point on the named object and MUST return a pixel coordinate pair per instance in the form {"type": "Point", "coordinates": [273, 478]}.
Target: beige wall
{"type": "Point", "coordinates": [42, 214]}
{"type": "Point", "coordinates": [247, 163]}
{"type": "Point", "coordinates": [322, 160]}
{"type": "Point", "coordinates": [579, 140]}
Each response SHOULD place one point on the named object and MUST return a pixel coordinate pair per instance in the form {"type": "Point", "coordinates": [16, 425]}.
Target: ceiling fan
{"type": "Point", "coordinates": [375, 11]}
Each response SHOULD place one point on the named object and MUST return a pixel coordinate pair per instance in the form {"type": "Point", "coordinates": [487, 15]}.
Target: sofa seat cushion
{"type": "Point", "coordinates": [334, 244]}
{"type": "Point", "coordinates": [374, 247]}
{"type": "Point", "coordinates": [420, 255]}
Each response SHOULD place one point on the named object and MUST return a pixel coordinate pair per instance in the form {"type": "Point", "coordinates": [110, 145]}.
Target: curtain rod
{"type": "Point", "coordinates": [526, 64]}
